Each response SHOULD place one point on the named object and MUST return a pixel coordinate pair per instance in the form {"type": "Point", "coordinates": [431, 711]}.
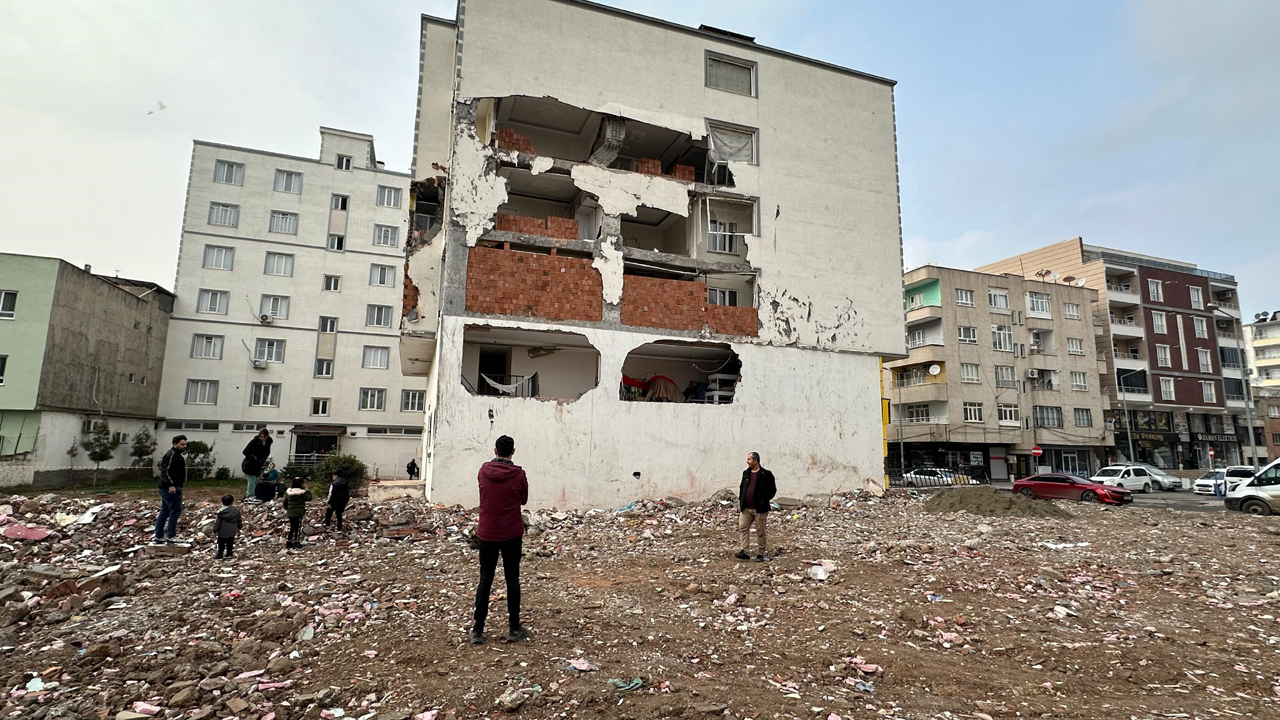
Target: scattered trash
{"type": "Point", "coordinates": [625, 685]}
{"type": "Point", "coordinates": [582, 665]}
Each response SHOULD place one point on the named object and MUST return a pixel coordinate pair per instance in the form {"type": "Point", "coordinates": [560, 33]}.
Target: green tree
{"type": "Point", "coordinates": [349, 466]}
{"type": "Point", "coordinates": [101, 446]}
{"type": "Point", "coordinates": [144, 448]}
{"type": "Point", "coordinates": [200, 459]}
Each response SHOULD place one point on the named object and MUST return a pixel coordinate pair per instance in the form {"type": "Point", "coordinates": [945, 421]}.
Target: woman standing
{"type": "Point", "coordinates": [255, 455]}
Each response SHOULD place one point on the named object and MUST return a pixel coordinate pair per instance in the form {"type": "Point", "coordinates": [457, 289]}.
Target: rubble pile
{"type": "Point", "coordinates": [870, 608]}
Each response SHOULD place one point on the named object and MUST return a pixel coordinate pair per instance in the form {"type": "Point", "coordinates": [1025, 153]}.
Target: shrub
{"type": "Point", "coordinates": [349, 466]}
{"type": "Point", "coordinates": [200, 459]}
{"type": "Point", "coordinates": [293, 471]}
{"type": "Point", "coordinates": [224, 473]}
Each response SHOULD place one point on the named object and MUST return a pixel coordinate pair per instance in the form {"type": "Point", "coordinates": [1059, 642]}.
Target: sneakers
{"type": "Point", "coordinates": [219, 556]}
{"type": "Point", "coordinates": [477, 636]}
{"type": "Point", "coordinates": [742, 555]}
{"type": "Point", "coordinates": [157, 541]}
{"type": "Point", "coordinates": [761, 558]}
{"type": "Point", "coordinates": [517, 635]}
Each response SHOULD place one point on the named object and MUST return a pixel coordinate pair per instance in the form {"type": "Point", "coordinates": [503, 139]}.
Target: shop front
{"type": "Point", "coordinates": [979, 461]}
{"type": "Point", "coordinates": [1155, 439]}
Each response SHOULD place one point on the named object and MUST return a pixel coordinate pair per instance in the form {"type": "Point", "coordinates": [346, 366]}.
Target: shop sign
{"type": "Point", "coordinates": [1213, 437]}
{"type": "Point", "coordinates": [1162, 437]}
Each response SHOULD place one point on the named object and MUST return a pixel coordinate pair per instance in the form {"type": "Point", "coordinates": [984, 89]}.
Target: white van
{"type": "Point", "coordinates": [1259, 495]}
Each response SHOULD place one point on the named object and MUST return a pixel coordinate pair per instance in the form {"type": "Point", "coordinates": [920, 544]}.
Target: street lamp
{"type": "Point", "coordinates": [1248, 394]}
{"type": "Point", "coordinates": [1128, 421]}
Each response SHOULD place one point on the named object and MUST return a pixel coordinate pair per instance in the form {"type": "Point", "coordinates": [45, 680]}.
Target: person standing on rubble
{"type": "Point", "coordinates": [295, 506]}
{"type": "Point", "coordinates": [500, 531]}
{"type": "Point", "coordinates": [754, 493]}
{"type": "Point", "coordinates": [255, 456]}
{"type": "Point", "coordinates": [412, 468]}
{"type": "Point", "coordinates": [336, 502]}
{"type": "Point", "coordinates": [173, 475]}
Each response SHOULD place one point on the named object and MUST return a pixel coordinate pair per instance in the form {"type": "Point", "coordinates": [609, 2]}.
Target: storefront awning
{"type": "Point", "coordinates": [319, 430]}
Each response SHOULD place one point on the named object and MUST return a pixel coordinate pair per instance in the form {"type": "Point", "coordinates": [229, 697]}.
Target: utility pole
{"type": "Point", "coordinates": [902, 454]}
{"type": "Point", "coordinates": [1128, 421]}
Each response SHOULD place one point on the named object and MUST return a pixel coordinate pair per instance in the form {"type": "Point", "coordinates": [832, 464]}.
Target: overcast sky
{"type": "Point", "coordinates": [1152, 126]}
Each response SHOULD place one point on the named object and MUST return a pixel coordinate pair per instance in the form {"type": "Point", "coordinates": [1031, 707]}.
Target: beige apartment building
{"type": "Point", "coordinates": [998, 366]}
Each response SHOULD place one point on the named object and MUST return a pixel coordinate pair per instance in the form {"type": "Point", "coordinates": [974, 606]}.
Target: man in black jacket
{"type": "Point", "coordinates": [754, 494]}
{"type": "Point", "coordinates": [173, 475]}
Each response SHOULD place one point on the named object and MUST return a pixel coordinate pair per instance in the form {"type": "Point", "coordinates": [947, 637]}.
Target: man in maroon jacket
{"type": "Point", "coordinates": [503, 489]}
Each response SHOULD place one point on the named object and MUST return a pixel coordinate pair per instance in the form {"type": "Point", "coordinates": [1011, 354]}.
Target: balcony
{"type": "Point", "coordinates": [923, 392]}
{"type": "Point", "coordinates": [655, 302]}
{"type": "Point", "coordinates": [1133, 359]}
{"type": "Point", "coordinates": [1126, 327]}
{"type": "Point", "coordinates": [1122, 294]}
{"type": "Point", "coordinates": [1133, 394]}
{"type": "Point", "coordinates": [1043, 385]}
{"type": "Point", "coordinates": [916, 342]}
{"type": "Point", "coordinates": [923, 314]}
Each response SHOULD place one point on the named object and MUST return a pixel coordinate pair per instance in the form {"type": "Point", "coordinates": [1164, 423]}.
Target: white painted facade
{"type": "Point", "coordinates": [368, 269]}
{"type": "Point", "coordinates": [822, 262]}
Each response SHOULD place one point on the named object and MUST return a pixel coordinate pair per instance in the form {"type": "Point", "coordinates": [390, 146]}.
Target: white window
{"type": "Point", "coordinates": [264, 395]}
{"type": "Point", "coordinates": [382, 275]}
{"type": "Point", "coordinates": [388, 196]}
{"type": "Point", "coordinates": [376, 357]}
{"type": "Point", "coordinates": [1157, 322]}
{"type": "Point", "coordinates": [1202, 327]}
{"type": "Point", "coordinates": [252, 427]}
{"type": "Point", "coordinates": [1084, 417]}
{"type": "Point", "coordinates": [228, 172]}
{"type": "Point", "coordinates": [8, 304]}
{"type": "Point", "coordinates": [336, 243]}
{"type": "Point", "coordinates": [377, 316]}
{"type": "Point", "coordinates": [324, 368]}
{"type": "Point", "coordinates": [1071, 311]}
{"type": "Point", "coordinates": [915, 338]}
{"type": "Point", "coordinates": [385, 235]}
{"type": "Point", "coordinates": [271, 351]}
{"type": "Point", "coordinates": [1075, 346]}
{"type": "Point", "coordinates": [412, 400]}
{"type": "Point", "coordinates": [1004, 377]}
{"type": "Point", "coordinates": [202, 392]}
{"type": "Point", "coordinates": [1206, 360]}
{"type": "Point", "coordinates": [284, 222]}
{"type": "Point", "coordinates": [290, 182]}
{"type": "Point", "coordinates": [1038, 304]}
{"type": "Point", "coordinates": [720, 296]}
{"type": "Point", "coordinates": [277, 306]}
{"type": "Point", "coordinates": [728, 220]}
{"type": "Point", "coordinates": [969, 373]}
{"type": "Point", "coordinates": [919, 413]}
{"type": "Point", "coordinates": [1273, 411]}
{"type": "Point", "coordinates": [343, 162]}
{"type": "Point", "coordinates": [224, 214]}
{"type": "Point", "coordinates": [206, 347]}
{"type": "Point", "coordinates": [339, 202]}
{"type": "Point", "coordinates": [967, 335]}
{"type": "Point", "coordinates": [1197, 298]}
{"type": "Point", "coordinates": [998, 299]}
{"type": "Point", "coordinates": [1166, 389]}
{"type": "Point", "coordinates": [1008, 414]}
{"type": "Point", "coordinates": [1047, 416]}
{"type": "Point", "coordinates": [731, 144]}
{"type": "Point", "coordinates": [320, 407]}
{"type": "Point", "coordinates": [915, 300]}
{"type": "Point", "coordinates": [328, 324]}
{"type": "Point", "coordinates": [973, 412]}
{"type": "Point", "coordinates": [212, 301]}
{"type": "Point", "coordinates": [731, 74]}
{"type": "Point", "coordinates": [279, 264]}
{"type": "Point", "coordinates": [1162, 356]}
{"type": "Point", "coordinates": [1002, 338]}
{"type": "Point", "coordinates": [1079, 380]}
{"type": "Point", "coordinates": [1155, 290]}
{"type": "Point", "coordinates": [332, 283]}
{"type": "Point", "coordinates": [373, 399]}
{"type": "Point", "coordinates": [217, 257]}
{"type": "Point", "coordinates": [1209, 391]}
{"type": "Point", "coordinates": [964, 297]}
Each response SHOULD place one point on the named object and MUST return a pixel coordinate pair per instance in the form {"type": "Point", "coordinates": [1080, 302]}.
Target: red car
{"type": "Point", "coordinates": [1058, 486]}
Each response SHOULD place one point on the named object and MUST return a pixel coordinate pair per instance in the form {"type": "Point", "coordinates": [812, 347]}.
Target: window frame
{"type": "Point", "coordinates": [4, 364]}
{"type": "Point", "coordinates": [237, 172]}
{"type": "Point", "coordinates": [228, 254]}
{"type": "Point", "coordinates": [288, 176]}
{"type": "Point", "coordinates": [1078, 348]}
{"type": "Point", "coordinates": [326, 402]}
{"type": "Point", "coordinates": [221, 309]}
{"type": "Point", "coordinates": [960, 298]}
{"type": "Point", "coordinates": [1155, 290]}
{"type": "Point", "coordinates": [972, 412]}
{"type": "Point", "coordinates": [1205, 358]}
{"type": "Point", "coordinates": [269, 350]}
{"type": "Point", "coordinates": [751, 66]}
{"type": "Point", "coordinates": [1011, 381]}
{"type": "Point", "coordinates": [406, 394]}
{"type": "Point", "coordinates": [973, 379]}
{"type": "Point", "coordinates": [1084, 376]}
{"type": "Point", "coordinates": [233, 211]}
{"type": "Point", "coordinates": [388, 270]}
{"type": "Point", "coordinates": [341, 243]}
{"type": "Point", "coordinates": [1008, 414]}
{"type": "Point", "coordinates": [338, 163]}
{"type": "Point", "coordinates": [1197, 297]}
{"type": "Point", "coordinates": [208, 385]}
{"type": "Point", "coordinates": [970, 338]}
{"type": "Point", "coordinates": [389, 190]}
{"type": "Point", "coordinates": [1200, 327]}
{"type": "Point", "coordinates": [198, 341]}
{"type": "Point", "coordinates": [1208, 391]}
{"type": "Point", "coordinates": [1167, 383]}
{"type": "Point", "coordinates": [256, 388]}
{"type": "Point", "coordinates": [333, 202]}
{"type": "Point", "coordinates": [1042, 414]}
{"type": "Point", "coordinates": [715, 295]}
{"type": "Point", "coordinates": [378, 233]}
{"type": "Point", "coordinates": [734, 127]}
{"type": "Point", "coordinates": [372, 310]}
{"type": "Point", "coordinates": [332, 321]}
{"type": "Point", "coordinates": [337, 284]}
{"type": "Point", "coordinates": [1164, 360]}
{"type": "Point", "coordinates": [284, 258]}
{"type": "Point", "coordinates": [282, 218]}
{"type": "Point", "coordinates": [1006, 333]}
{"type": "Point", "coordinates": [315, 368]}
{"type": "Point", "coordinates": [1088, 415]}
{"type": "Point", "coordinates": [12, 312]}
{"type": "Point", "coordinates": [998, 293]}
{"type": "Point", "coordinates": [1071, 311]}
{"type": "Point", "coordinates": [1159, 323]}
{"type": "Point", "coordinates": [374, 392]}
{"type": "Point", "coordinates": [283, 303]}
{"type": "Point", "coordinates": [1035, 301]}
{"type": "Point", "coordinates": [365, 357]}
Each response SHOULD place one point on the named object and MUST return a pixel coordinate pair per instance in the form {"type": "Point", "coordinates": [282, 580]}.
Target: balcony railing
{"type": "Point", "coordinates": [1125, 287]}
{"type": "Point", "coordinates": [1235, 396]}
{"type": "Point", "coordinates": [1048, 385]}
{"type": "Point", "coordinates": [1229, 304]}
{"type": "Point", "coordinates": [910, 381]}
{"type": "Point", "coordinates": [1232, 364]}
{"type": "Point", "coordinates": [928, 420]}
{"type": "Point", "coordinates": [1128, 322]}
{"type": "Point", "coordinates": [1041, 351]}
{"type": "Point", "coordinates": [1134, 354]}
{"type": "Point", "coordinates": [1006, 383]}
{"type": "Point", "coordinates": [505, 385]}
{"type": "Point", "coordinates": [1135, 389]}
{"type": "Point", "coordinates": [921, 342]}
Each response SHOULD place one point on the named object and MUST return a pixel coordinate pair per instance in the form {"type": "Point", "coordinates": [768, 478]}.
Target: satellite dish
{"type": "Point", "coordinates": [1041, 273]}
{"type": "Point", "coordinates": [1053, 276]}
{"type": "Point", "coordinates": [1081, 282]}
{"type": "Point", "coordinates": [1069, 279]}
{"type": "Point", "coordinates": [935, 369]}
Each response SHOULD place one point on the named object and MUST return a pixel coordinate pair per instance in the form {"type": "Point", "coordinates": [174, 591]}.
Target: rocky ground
{"type": "Point", "coordinates": [872, 607]}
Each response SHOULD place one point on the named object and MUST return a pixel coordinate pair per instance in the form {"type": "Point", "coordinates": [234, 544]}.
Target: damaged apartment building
{"type": "Point", "coordinates": [644, 250]}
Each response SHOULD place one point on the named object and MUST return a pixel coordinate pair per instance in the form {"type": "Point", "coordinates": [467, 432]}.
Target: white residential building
{"type": "Point", "coordinates": [290, 283]}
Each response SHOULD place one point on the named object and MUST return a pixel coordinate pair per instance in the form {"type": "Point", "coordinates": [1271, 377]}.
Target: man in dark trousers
{"type": "Point", "coordinates": [173, 475]}
{"type": "Point", "coordinates": [754, 494]}
{"type": "Point", "coordinates": [255, 457]}
{"type": "Point", "coordinates": [412, 469]}
{"type": "Point", "coordinates": [503, 489]}
{"type": "Point", "coordinates": [336, 502]}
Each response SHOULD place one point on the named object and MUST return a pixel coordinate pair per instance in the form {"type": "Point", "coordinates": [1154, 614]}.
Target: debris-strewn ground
{"type": "Point", "coordinates": [643, 613]}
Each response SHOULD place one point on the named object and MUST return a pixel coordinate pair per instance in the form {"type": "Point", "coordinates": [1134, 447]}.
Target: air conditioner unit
{"type": "Point", "coordinates": [259, 364]}
{"type": "Point", "coordinates": [1033, 373]}
{"type": "Point", "coordinates": [265, 319]}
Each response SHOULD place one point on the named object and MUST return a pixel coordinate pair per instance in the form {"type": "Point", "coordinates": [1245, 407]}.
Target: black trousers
{"type": "Point", "coordinates": [511, 551]}
{"type": "Point", "coordinates": [295, 531]}
{"type": "Point", "coordinates": [225, 545]}
{"type": "Point", "coordinates": [330, 511]}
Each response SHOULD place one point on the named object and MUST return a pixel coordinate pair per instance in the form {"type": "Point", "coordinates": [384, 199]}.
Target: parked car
{"type": "Point", "coordinates": [1162, 479]}
{"type": "Point", "coordinates": [936, 477]}
{"type": "Point", "coordinates": [1259, 495]}
{"type": "Point", "coordinates": [1129, 477]}
{"type": "Point", "coordinates": [1057, 486]}
{"type": "Point", "coordinates": [1210, 483]}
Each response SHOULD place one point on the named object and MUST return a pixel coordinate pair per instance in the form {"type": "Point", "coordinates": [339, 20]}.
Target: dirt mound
{"type": "Point", "coordinates": [990, 502]}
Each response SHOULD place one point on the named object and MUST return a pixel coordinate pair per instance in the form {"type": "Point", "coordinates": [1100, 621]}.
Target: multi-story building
{"type": "Point", "coordinates": [76, 350]}
{"type": "Point", "coordinates": [1268, 409]}
{"type": "Point", "coordinates": [649, 260]}
{"type": "Point", "coordinates": [290, 292]}
{"type": "Point", "coordinates": [1175, 366]}
{"type": "Point", "coordinates": [1263, 335]}
{"type": "Point", "coordinates": [998, 366]}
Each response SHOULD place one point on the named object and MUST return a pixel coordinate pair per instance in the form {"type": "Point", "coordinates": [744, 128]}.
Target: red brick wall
{"type": "Point", "coordinates": [509, 139]}
{"type": "Point", "coordinates": [681, 305]}
{"type": "Point", "coordinates": [552, 227]}
{"type": "Point", "coordinates": [653, 166]}
{"type": "Point", "coordinates": [511, 282]}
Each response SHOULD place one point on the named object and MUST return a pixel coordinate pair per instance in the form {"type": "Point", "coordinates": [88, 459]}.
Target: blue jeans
{"type": "Point", "coordinates": [252, 484]}
{"type": "Point", "coordinates": [170, 509]}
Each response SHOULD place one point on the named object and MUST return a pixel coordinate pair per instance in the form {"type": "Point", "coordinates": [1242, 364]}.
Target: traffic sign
{"type": "Point", "coordinates": [1210, 453]}
{"type": "Point", "coordinates": [1038, 452]}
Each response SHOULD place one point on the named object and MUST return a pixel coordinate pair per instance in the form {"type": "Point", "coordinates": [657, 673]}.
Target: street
{"type": "Point", "coordinates": [1175, 500]}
